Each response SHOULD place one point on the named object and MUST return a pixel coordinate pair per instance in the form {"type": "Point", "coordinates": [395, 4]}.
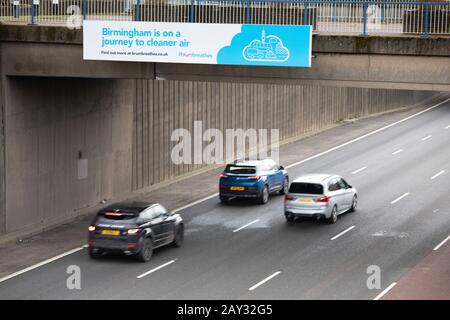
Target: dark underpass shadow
{"type": "Point", "coordinates": [126, 259]}
{"type": "Point", "coordinates": [249, 202]}
{"type": "Point", "coordinates": [342, 218]}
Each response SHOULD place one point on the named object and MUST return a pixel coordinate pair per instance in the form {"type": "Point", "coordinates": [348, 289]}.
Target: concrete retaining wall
{"type": "Point", "coordinates": [71, 142]}
{"type": "Point", "coordinates": [68, 146]}
{"type": "Point", "coordinates": [296, 110]}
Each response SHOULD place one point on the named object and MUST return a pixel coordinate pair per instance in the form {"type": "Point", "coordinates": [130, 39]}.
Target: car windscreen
{"type": "Point", "coordinates": [306, 188]}
{"type": "Point", "coordinates": [240, 169]}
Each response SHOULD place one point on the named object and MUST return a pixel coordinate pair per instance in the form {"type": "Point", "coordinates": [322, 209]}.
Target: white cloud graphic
{"type": "Point", "coordinates": [268, 48]}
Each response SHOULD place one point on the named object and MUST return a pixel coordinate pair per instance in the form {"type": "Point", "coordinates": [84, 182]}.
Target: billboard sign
{"type": "Point", "coordinates": [228, 44]}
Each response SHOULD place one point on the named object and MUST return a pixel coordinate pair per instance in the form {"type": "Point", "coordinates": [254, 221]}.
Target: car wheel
{"type": "Point", "coordinates": [224, 199]}
{"type": "Point", "coordinates": [289, 218]}
{"type": "Point", "coordinates": [333, 216]}
{"type": "Point", "coordinates": [146, 251]}
{"type": "Point", "coordinates": [95, 254]}
{"type": "Point", "coordinates": [354, 203]}
{"type": "Point", "coordinates": [285, 188]}
{"type": "Point", "coordinates": [179, 236]}
{"type": "Point", "coordinates": [264, 195]}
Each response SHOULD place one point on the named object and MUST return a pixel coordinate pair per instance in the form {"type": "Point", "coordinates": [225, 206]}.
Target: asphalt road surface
{"type": "Point", "coordinates": [248, 251]}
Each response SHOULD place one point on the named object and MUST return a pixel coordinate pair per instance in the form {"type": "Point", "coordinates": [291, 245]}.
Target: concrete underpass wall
{"type": "Point", "coordinates": [296, 110]}
{"type": "Point", "coordinates": [67, 145]}
{"type": "Point", "coordinates": [70, 142]}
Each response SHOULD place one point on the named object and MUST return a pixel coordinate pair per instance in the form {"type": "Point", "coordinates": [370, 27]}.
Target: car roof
{"type": "Point", "coordinates": [314, 178]}
{"type": "Point", "coordinates": [128, 206]}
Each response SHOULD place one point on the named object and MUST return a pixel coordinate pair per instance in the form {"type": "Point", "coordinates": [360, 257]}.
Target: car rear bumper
{"type": "Point", "coordinates": [250, 189]}
{"type": "Point", "coordinates": [303, 212]}
{"type": "Point", "coordinates": [115, 245]}
{"type": "Point", "coordinates": [240, 194]}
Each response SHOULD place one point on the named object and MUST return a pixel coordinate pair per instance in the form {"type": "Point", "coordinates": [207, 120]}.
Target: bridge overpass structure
{"type": "Point", "coordinates": [76, 132]}
{"type": "Point", "coordinates": [391, 62]}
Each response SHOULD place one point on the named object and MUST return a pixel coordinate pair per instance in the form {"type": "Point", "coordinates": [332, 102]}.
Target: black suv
{"type": "Point", "coordinates": [134, 228]}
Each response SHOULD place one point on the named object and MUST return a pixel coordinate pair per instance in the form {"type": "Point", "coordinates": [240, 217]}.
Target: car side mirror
{"type": "Point", "coordinates": [281, 168]}
{"type": "Point", "coordinates": [349, 186]}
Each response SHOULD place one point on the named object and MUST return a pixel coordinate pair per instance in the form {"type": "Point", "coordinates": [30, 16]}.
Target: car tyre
{"type": "Point", "coordinates": [224, 199]}
{"type": "Point", "coordinates": [289, 218]}
{"type": "Point", "coordinates": [179, 236]}
{"type": "Point", "coordinates": [264, 198]}
{"type": "Point", "coordinates": [146, 252]}
{"type": "Point", "coordinates": [95, 254]}
{"type": "Point", "coordinates": [285, 188]}
{"type": "Point", "coordinates": [354, 204]}
{"type": "Point", "coordinates": [333, 217]}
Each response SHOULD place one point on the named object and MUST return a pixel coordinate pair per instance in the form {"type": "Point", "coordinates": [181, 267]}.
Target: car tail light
{"type": "Point", "coordinates": [323, 199]}
{"type": "Point", "coordinates": [254, 177]}
{"type": "Point", "coordinates": [134, 231]}
{"type": "Point", "coordinates": [223, 176]}
{"type": "Point", "coordinates": [131, 245]}
{"type": "Point", "coordinates": [288, 198]}
{"type": "Point", "coordinates": [91, 228]}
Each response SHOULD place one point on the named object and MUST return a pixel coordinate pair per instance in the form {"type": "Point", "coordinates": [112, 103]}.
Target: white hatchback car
{"type": "Point", "coordinates": [319, 196]}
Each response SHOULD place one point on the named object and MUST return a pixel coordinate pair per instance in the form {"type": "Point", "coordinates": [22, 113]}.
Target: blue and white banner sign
{"type": "Point", "coordinates": [232, 44]}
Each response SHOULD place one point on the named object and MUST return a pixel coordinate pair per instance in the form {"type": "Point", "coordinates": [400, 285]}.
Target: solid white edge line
{"type": "Point", "coordinates": [264, 281]}
{"type": "Point", "coordinates": [397, 152]}
{"type": "Point", "coordinates": [41, 264]}
{"type": "Point", "coordinates": [245, 226]}
{"type": "Point", "coordinates": [400, 198]}
{"type": "Point", "coordinates": [342, 233]}
{"type": "Point", "coordinates": [438, 174]}
{"type": "Point", "coordinates": [195, 202]}
{"type": "Point", "coordinates": [393, 284]}
{"type": "Point", "coordinates": [367, 135]}
{"type": "Point", "coordinates": [359, 170]}
{"type": "Point", "coordinates": [426, 138]}
{"type": "Point", "coordinates": [287, 167]}
{"type": "Point", "coordinates": [156, 269]}
{"type": "Point", "coordinates": [441, 244]}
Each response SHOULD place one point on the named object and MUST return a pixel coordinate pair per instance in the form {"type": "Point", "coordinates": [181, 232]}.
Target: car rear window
{"type": "Point", "coordinates": [117, 215]}
{"type": "Point", "coordinates": [306, 188]}
{"type": "Point", "coordinates": [240, 169]}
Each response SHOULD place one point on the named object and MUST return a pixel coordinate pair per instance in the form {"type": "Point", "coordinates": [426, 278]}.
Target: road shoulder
{"type": "Point", "coordinates": [428, 280]}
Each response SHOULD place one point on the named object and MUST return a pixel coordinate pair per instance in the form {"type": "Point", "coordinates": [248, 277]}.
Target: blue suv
{"type": "Point", "coordinates": [253, 179]}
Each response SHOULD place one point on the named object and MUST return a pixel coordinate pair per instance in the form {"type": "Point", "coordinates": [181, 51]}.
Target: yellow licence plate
{"type": "Point", "coordinates": [237, 188]}
{"type": "Point", "coordinates": [305, 200]}
{"type": "Point", "coordinates": [111, 232]}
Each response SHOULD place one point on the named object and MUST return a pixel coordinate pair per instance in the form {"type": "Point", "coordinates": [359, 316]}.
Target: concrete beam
{"type": "Point", "coordinates": [65, 60]}
{"type": "Point", "coordinates": [406, 62]}
{"type": "Point", "coordinates": [409, 45]}
{"type": "Point", "coordinates": [328, 43]}
{"type": "Point", "coordinates": [342, 70]}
